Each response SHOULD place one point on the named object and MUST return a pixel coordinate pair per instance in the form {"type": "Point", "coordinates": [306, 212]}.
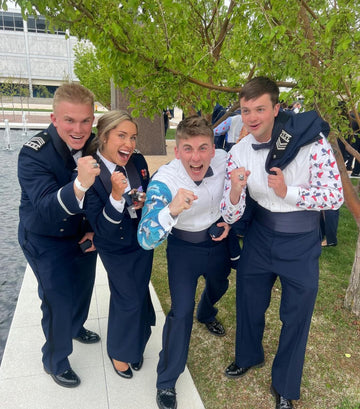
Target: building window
{"type": "Point", "coordinates": [11, 21]}
{"type": "Point", "coordinates": [40, 25]}
{"type": "Point", "coordinates": [14, 22]}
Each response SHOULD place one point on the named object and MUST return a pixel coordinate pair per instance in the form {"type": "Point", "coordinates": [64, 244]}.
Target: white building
{"type": "Point", "coordinates": [30, 54]}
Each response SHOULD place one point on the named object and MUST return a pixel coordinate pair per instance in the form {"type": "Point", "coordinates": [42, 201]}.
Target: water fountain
{"type": "Point", "coordinates": [7, 135]}
{"type": "Point", "coordinates": [24, 122]}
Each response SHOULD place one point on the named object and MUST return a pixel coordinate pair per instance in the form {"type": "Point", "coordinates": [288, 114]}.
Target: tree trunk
{"type": "Point", "coordinates": [352, 297]}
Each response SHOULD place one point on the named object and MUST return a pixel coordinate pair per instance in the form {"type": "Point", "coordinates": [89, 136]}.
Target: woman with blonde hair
{"type": "Point", "coordinates": [113, 207]}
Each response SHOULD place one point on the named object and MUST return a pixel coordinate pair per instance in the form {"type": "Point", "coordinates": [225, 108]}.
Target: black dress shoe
{"type": "Point", "coordinates": [137, 366]}
{"type": "Point", "coordinates": [234, 371]}
{"type": "Point", "coordinates": [124, 374]}
{"type": "Point", "coordinates": [281, 402]}
{"type": "Point", "coordinates": [166, 398]}
{"type": "Point", "coordinates": [215, 327]}
{"type": "Point", "coordinates": [88, 337]}
{"type": "Point", "coordinates": [68, 379]}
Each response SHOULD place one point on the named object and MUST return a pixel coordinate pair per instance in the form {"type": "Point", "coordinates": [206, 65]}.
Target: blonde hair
{"type": "Point", "coordinates": [74, 93]}
{"type": "Point", "coordinates": [109, 121]}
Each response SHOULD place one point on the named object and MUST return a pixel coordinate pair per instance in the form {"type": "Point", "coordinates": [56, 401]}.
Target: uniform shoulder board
{"type": "Point", "coordinates": [38, 141]}
{"type": "Point", "coordinates": [136, 151]}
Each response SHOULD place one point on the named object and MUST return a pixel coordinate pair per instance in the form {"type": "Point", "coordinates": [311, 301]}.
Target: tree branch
{"type": "Point", "coordinates": [165, 25]}
{"type": "Point", "coordinates": [224, 29]}
{"type": "Point", "coordinates": [309, 10]}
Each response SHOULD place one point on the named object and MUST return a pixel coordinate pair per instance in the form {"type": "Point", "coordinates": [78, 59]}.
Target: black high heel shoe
{"type": "Point", "coordinates": [124, 374]}
{"type": "Point", "coordinates": [137, 366]}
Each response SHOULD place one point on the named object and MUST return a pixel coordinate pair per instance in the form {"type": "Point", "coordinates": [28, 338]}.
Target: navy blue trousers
{"type": "Point", "coordinates": [65, 282]}
{"type": "Point", "coordinates": [186, 263]}
{"type": "Point", "coordinates": [293, 258]}
{"type": "Point", "coordinates": [131, 313]}
{"type": "Point", "coordinates": [329, 225]}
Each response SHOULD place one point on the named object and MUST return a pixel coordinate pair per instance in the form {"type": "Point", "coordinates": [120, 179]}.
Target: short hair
{"type": "Point", "coordinates": [193, 126]}
{"type": "Point", "coordinates": [109, 121]}
{"type": "Point", "coordinates": [74, 93]}
{"type": "Point", "coordinates": [259, 86]}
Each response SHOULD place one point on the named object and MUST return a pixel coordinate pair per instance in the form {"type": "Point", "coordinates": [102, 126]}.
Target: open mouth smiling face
{"type": "Point", "coordinates": [195, 154]}
{"type": "Point", "coordinates": [73, 123]}
{"type": "Point", "coordinates": [258, 116]}
{"type": "Point", "coordinates": [120, 143]}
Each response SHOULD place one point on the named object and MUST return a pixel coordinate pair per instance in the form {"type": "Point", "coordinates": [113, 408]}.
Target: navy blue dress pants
{"type": "Point", "coordinates": [293, 258]}
{"type": "Point", "coordinates": [65, 282]}
{"type": "Point", "coordinates": [329, 225]}
{"type": "Point", "coordinates": [186, 263]}
{"type": "Point", "coordinates": [131, 313]}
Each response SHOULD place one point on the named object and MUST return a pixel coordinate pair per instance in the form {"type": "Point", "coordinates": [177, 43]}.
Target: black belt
{"type": "Point", "coordinates": [191, 236]}
{"type": "Point", "coordinates": [302, 221]}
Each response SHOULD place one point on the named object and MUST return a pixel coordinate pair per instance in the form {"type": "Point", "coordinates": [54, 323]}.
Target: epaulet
{"type": "Point", "coordinates": [38, 141]}
{"type": "Point", "coordinates": [137, 151]}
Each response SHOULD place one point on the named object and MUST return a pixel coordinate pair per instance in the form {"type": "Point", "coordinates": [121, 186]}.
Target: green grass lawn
{"type": "Point", "coordinates": [170, 133]}
{"type": "Point", "coordinates": [331, 378]}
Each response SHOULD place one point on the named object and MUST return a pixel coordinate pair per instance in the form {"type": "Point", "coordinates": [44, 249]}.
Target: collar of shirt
{"type": "Point", "coordinates": [110, 165]}
{"type": "Point", "coordinates": [76, 154]}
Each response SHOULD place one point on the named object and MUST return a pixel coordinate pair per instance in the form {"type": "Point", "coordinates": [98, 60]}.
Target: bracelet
{"type": "Point", "coordinates": [79, 186]}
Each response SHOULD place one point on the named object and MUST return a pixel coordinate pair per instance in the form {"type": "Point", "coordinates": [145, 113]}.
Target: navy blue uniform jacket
{"type": "Point", "coordinates": [115, 231]}
{"type": "Point", "coordinates": [46, 172]}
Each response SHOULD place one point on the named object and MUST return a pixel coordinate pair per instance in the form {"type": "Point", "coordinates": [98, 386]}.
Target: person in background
{"type": "Point", "coordinates": [287, 167]}
{"type": "Point", "coordinates": [217, 113]}
{"type": "Point", "coordinates": [296, 107]}
{"type": "Point", "coordinates": [113, 207]}
{"type": "Point", "coordinates": [229, 132]}
{"type": "Point", "coordinates": [355, 143]}
{"type": "Point", "coordinates": [183, 206]}
{"type": "Point", "coordinates": [329, 223]}
{"type": "Point", "coordinates": [54, 173]}
{"type": "Point", "coordinates": [168, 114]}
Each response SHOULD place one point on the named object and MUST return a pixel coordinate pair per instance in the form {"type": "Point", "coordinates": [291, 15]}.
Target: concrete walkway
{"type": "Point", "coordinates": [25, 385]}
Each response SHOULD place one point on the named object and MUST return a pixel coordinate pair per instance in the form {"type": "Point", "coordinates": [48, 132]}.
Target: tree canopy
{"type": "Point", "coordinates": [196, 53]}
{"type": "Point", "coordinates": [92, 73]}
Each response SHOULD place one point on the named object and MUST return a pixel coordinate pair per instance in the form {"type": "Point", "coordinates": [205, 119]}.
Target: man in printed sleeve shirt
{"type": "Point", "coordinates": [290, 172]}
{"type": "Point", "coordinates": [183, 206]}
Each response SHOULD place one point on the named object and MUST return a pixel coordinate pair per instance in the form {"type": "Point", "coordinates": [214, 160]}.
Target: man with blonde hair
{"type": "Point", "coordinates": [54, 174]}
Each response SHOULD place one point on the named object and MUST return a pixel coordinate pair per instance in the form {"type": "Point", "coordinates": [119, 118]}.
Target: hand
{"type": "Point", "coordinates": [182, 201]}
{"type": "Point", "coordinates": [139, 204]}
{"type": "Point", "coordinates": [119, 184]}
{"type": "Point", "coordinates": [88, 169]}
{"type": "Point", "coordinates": [277, 182]}
{"type": "Point", "coordinates": [90, 236]}
{"type": "Point", "coordinates": [225, 232]}
{"type": "Point", "coordinates": [238, 179]}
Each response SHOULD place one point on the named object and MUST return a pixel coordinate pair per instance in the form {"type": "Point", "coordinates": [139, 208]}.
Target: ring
{"type": "Point", "coordinates": [187, 200]}
{"type": "Point", "coordinates": [124, 181]}
{"type": "Point", "coordinates": [95, 165]}
{"type": "Point", "coordinates": [241, 177]}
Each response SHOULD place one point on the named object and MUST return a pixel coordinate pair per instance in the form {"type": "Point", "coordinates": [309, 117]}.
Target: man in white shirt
{"type": "Point", "coordinates": [287, 167]}
{"type": "Point", "coordinates": [183, 206]}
